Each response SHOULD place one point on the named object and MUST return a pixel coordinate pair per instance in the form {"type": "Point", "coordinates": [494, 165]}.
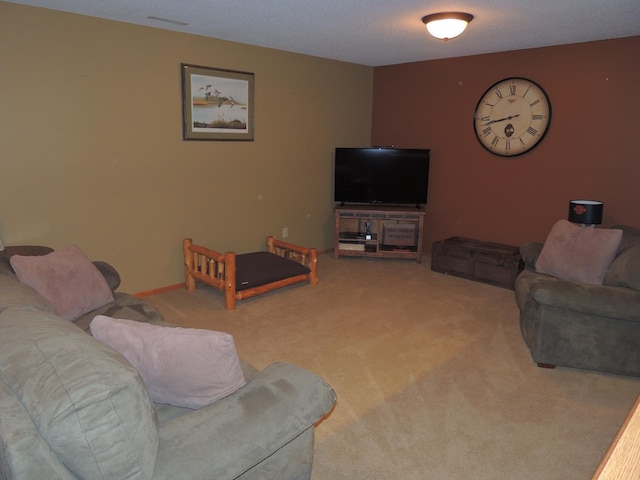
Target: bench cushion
{"type": "Point", "coordinates": [260, 268]}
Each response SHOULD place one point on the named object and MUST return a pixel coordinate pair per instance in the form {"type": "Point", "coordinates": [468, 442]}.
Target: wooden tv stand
{"type": "Point", "coordinates": [378, 231]}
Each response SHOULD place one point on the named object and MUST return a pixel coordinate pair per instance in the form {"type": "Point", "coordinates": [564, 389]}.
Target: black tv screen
{"type": "Point", "coordinates": [396, 176]}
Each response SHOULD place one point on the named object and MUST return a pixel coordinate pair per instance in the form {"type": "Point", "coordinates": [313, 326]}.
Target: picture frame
{"type": "Point", "coordinates": [217, 104]}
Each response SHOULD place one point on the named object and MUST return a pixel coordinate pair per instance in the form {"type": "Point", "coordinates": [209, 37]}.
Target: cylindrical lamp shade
{"type": "Point", "coordinates": [587, 212]}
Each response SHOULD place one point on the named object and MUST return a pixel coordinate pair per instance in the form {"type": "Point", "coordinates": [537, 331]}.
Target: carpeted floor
{"type": "Point", "coordinates": [432, 376]}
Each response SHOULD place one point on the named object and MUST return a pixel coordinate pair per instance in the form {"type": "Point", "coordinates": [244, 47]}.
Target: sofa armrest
{"type": "Point", "coordinates": [601, 300]}
{"type": "Point", "coordinates": [230, 436]}
{"type": "Point", "coordinates": [530, 252]}
{"type": "Point", "coordinates": [109, 273]}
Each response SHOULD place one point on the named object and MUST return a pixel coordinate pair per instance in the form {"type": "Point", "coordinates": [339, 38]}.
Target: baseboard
{"type": "Point", "coordinates": [155, 291]}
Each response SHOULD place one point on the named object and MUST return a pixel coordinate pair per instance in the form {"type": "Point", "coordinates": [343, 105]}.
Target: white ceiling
{"type": "Point", "coordinates": [374, 32]}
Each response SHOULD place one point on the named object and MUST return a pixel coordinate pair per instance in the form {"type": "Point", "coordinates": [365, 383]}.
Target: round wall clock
{"type": "Point", "coordinates": [512, 117]}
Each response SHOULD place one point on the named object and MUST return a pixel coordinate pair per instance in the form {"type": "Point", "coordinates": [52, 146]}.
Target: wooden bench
{"type": "Point", "coordinates": [250, 274]}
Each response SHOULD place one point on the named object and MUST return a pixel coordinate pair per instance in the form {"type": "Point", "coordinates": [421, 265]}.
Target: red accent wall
{"type": "Point", "coordinates": [591, 151]}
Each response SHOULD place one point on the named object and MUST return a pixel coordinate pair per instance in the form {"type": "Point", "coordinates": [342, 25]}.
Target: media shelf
{"type": "Point", "coordinates": [378, 231]}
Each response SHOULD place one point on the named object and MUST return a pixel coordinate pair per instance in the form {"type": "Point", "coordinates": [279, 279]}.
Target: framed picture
{"type": "Point", "coordinates": [216, 104]}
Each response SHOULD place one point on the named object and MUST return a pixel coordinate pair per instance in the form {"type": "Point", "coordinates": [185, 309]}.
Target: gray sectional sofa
{"type": "Point", "coordinates": [583, 325]}
{"type": "Point", "coordinates": [71, 407]}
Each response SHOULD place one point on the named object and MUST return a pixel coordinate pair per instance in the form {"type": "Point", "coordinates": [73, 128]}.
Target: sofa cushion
{"type": "Point", "coordinates": [124, 306]}
{"type": "Point", "coordinates": [625, 270]}
{"type": "Point", "coordinates": [66, 278]}
{"type": "Point", "coordinates": [88, 403]}
{"type": "Point", "coordinates": [185, 367]}
{"type": "Point", "coordinates": [578, 254]}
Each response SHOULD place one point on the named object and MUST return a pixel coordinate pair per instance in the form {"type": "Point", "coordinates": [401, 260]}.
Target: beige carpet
{"type": "Point", "coordinates": [432, 376]}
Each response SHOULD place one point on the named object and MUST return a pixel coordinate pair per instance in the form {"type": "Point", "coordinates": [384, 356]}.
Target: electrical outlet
{"type": "Point", "coordinates": [285, 232]}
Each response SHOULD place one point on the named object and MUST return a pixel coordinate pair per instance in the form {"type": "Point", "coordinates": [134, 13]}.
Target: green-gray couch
{"type": "Point", "coordinates": [73, 408]}
{"type": "Point", "coordinates": [594, 327]}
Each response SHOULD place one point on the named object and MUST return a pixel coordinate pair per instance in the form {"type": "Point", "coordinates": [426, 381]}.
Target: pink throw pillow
{"type": "Point", "coordinates": [578, 254]}
{"type": "Point", "coordinates": [185, 367]}
{"type": "Point", "coordinates": [67, 278]}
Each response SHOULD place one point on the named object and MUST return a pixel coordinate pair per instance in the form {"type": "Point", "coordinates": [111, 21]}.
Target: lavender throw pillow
{"type": "Point", "coordinates": [185, 367]}
{"type": "Point", "coordinates": [67, 278]}
{"type": "Point", "coordinates": [578, 254]}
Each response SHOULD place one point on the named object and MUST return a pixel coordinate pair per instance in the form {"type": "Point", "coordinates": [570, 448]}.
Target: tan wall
{"type": "Point", "coordinates": [590, 151]}
{"type": "Point", "coordinates": [92, 150]}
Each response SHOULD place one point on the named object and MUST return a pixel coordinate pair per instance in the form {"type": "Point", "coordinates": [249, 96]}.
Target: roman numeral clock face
{"type": "Point", "coordinates": [512, 117]}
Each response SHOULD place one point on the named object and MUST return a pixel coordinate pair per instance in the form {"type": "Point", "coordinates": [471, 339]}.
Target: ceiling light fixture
{"type": "Point", "coordinates": [447, 25]}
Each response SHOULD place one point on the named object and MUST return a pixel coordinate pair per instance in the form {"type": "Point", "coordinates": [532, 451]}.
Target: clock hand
{"type": "Point", "coordinates": [501, 119]}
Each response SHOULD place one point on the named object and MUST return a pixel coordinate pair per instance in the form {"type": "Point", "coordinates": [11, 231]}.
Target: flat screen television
{"type": "Point", "coordinates": [394, 176]}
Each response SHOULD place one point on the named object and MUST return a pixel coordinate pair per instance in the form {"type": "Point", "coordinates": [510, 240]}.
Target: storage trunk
{"type": "Point", "coordinates": [487, 262]}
